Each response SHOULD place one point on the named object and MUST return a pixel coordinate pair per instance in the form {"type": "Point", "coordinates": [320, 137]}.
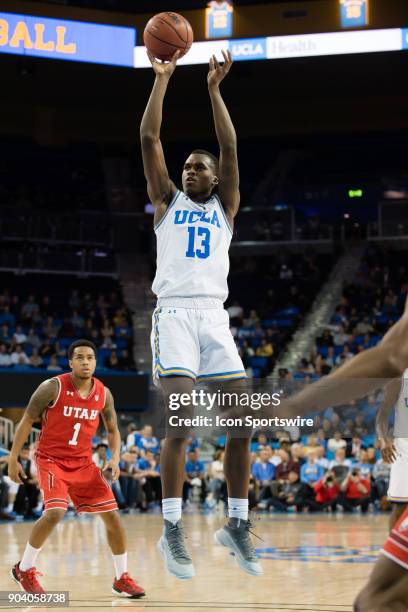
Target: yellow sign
{"type": "Point", "coordinates": [19, 36]}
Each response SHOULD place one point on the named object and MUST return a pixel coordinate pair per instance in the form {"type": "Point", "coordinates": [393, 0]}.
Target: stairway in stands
{"type": "Point", "coordinates": [322, 309]}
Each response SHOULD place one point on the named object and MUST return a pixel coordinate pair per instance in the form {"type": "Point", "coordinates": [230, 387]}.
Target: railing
{"type": "Point", "coordinates": [34, 435]}
{"type": "Point", "coordinates": [6, 432]}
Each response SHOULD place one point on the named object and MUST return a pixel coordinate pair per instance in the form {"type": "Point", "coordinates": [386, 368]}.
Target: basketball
{"type": "Point", "coordinates": [165, 33]}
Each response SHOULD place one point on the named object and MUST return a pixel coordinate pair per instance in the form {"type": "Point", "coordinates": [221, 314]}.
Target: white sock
{"type": "Point", "coordinates": [120, 563]}
{"type": "Point", "coordinates": [10, 508]}
{"type": "Point", "coordinates": [29, 557]}
{"type": "Point", "coordinates": [238, 508]}
{"type": "Point", "coordinates": [171, 507]}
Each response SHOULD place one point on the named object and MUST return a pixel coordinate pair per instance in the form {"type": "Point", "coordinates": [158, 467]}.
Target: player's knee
{"type": "Point", "coordinates": [54, 515]}
{"type": "Point", "coordinates": [111, 519]}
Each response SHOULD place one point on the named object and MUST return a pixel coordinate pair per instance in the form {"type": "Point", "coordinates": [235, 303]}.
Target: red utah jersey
{"type": "Point", "coordinates": [70, 423]}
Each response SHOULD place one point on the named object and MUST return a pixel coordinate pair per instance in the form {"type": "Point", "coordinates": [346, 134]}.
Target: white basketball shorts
{"type": "Point", "coordinates": [398, 488]}
{"type": "Point", "coordinates": [191, 337]}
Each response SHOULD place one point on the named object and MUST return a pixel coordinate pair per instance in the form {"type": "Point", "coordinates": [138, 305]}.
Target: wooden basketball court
{"type": "Point", "coordinates": [311, 563]}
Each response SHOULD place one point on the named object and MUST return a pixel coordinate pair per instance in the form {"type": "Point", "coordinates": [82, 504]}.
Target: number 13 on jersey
{"type": "Point", "coordinates": [202, 233]}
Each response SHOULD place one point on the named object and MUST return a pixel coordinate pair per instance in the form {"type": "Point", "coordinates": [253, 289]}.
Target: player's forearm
{"type": "Point", "coordinates": [114, 443]}
{"type": "Point", "coordinates": [20, 436]}
{"type": "Point", "coordinates": [224, 128]}
{"type": "Point", "coordinates": [361, 375]}
{"type": "Point", "coordinates": [153, 115]}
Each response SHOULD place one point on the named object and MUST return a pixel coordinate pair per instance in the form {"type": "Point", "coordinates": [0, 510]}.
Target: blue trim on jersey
{"type": "Point", "coordinates": [224, 215]}
{"type": "Point", "coordinates": [168, 208]}
{"type": "Point", "coordinates": [165, 370]}
{"type": "Point", "coordinates": [156, 345]}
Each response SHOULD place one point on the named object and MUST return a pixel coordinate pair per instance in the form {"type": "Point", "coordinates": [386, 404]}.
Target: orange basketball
{"type": "Point", "coordinates": [165, 33]}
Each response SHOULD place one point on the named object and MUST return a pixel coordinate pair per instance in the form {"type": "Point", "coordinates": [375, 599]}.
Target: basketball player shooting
{"type": "Point", "coordinates": [70, 406]}
{"type": "Point", "coordinates": [191, 340]}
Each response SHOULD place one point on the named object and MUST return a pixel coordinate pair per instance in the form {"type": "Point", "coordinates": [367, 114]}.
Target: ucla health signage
{"type": "Point", "coordinates": [353, 13]}
{"type": "Point", "coordinates": [248, 49]}
{"type": "Point", "coordinates": [75, 41]}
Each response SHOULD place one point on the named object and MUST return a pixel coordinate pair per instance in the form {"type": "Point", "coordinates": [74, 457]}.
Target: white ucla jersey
{"type": "Point", "coordinates": [401, 410]}
{"type": "Point", "coordinates": [192, 249]}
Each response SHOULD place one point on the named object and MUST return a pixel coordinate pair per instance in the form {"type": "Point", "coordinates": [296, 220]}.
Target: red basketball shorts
{"type": "Point", "coordinates": [82, 481]}
{"type": "Point", "coordinates": [396, 547]}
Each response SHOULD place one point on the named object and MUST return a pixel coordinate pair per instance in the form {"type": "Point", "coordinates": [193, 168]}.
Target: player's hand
{"type": "Point", "coordinates": [164, 68]}
{"type": "Point", "coordinates": [218, 72]}
{"type": "Point", "coordinates": [388, 450]}
{"type": "Point", "coordinates": [114, 466]}
{"type": "Point", "coordinates": [16, 472]}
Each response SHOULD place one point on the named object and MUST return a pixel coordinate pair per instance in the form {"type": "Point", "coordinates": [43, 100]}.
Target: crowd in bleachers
{"type": "Point", "coordinates": [369, 307]}
{"type": "Point", "coordinates": [36, 332]}
{"type": "Point", "coordinates": [282, 293]}
{"type": "Point", "coordinates": [338, 468]}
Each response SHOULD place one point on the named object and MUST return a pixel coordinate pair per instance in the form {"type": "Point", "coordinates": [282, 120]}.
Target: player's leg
{"type": "Point", "coordinates": [55, 490]}
{"type": "Point", "coordinates": [386, 590]}
{"type": "Point", "coordinates": [172, 471]}
{"type": "Point", "coordinates": [123, 584]}
{"type": "Point", "coordinates": [237, 465]}
{"type": "Point", "coordinates": [397, 511]}
{"type": "Point", "coordinates": [91, 493]}
{"type": "Point", "coordinates": [176, 354]}
{"type": "Point", "coordinates": [387, 587]}
{"type": "Point", "coordinates": [222, 368]}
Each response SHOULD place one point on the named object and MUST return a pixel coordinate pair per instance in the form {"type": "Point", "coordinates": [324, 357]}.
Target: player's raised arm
{"type": "Point", "coordinates": [227, 139]}
{"type": "Point", "coordinates": [42, 397]}
{"type": "Point", "coordinates": [114, 441]}
{"type": "Point", "coordinates": [159, 186]}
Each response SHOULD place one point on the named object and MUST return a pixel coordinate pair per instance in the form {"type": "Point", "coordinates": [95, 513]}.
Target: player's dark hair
{"type": "Point", "coordinates": [77, 343]}
{"type": "Point", "coordinates": [214, 160]}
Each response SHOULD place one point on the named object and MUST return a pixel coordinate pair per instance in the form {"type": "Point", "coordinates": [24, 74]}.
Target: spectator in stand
{"type": "Point", "coordinates": [35, 361]}
{"type": "Point", "coordinates": [29, 307]}
{"type": "Point", "coordinates": [325, 339]}
{"type": "Point", "coordinates": [112, 362]}
{"type": "Point", "coordinates": [263, 472]}
{"type": "Point", "coordinates": [336, 442]}
{"type": "Point", "coordinates": [311, 471]}
{"type": "Point", "coordinates": [355, 492]}
{"type": "Point", "coordinates": [287, 494]}
{"type": "Point", "coordinates": [265, 349]}
{"type": "Point", "coordinates": [340, 338]}
{"type": "Point", "coordinates": [331, 358]}
{"type": "Point", "coordinates": [33, 339]}
{"type": "Point", "coordinates": [381, 476]}
{"type": "Point", "coordinates": [236, 314]}
{"type": "Point", "coordinates": [147, 441]}
{"type": "Point", "coordinates": [27, 494]}
{"type": "Point", "coordinates": [50, 329]}
{"type": "Point", "coordinates": [252, 320]}
{"type": "Point", "coordinates": [321, 458]}
{"type": "Point", "coordinates": [47, 349]}
{"type": "Point", "coordinates": [53, 366]}
{"type": "Point", "coordinates": [19, 337]}
{"type": "Point", "coordinates": [151, 483]}
{"type": "Point", "coordinates": [195, 476]}
{"type": "Point", "coordinates": [287, 465]}
{"type": "Point", "coordinates": [99, 457]}
{"type": "Point", "coordinates": [18, 356]}
{"type": "Point", "coordinates": [5, 359]}
{"type": "Point", "coordinates": [77, 320]}
{"type": "Point", "coordinates": [216, 480]}
{"type": "Point", "coordinates": [363, 327]}
{"type": "Point", "coordinates": [346, 355]}
{"type": "Point", "coordinates": [133, 436]}
{"type": "Point", "coordinates": [340, 465]}
{"type": "Point", "coordinates": [359, 427]}
{"type": "Point", "coordinates": [7, 317]}
{"type": "Point", "coordinates": [326, 490]}
{"type": "Point", "coordinates": [297, 454]}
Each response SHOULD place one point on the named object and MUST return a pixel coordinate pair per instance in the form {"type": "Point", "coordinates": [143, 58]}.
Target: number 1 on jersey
{"type": "Point", "coordinates": [205, 235]}
{"type": "Point", "coordinates": [74, 440]}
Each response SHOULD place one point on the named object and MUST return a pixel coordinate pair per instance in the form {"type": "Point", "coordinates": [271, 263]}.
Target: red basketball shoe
{"type": "Point", "coordinates": [27, 580]}
{"type": "Point", "coordinates": [127, 587]}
